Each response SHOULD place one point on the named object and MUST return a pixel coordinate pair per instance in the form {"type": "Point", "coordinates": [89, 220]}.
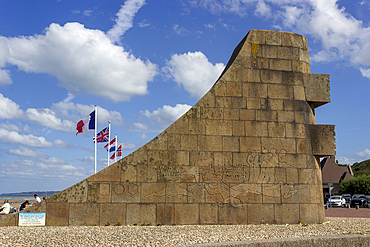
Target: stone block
{"type": "Point", "coordinates": [247, 115]}
{"type": "Point", "coordinates": [111, 173]}
{"type": "Point", "coordinates": [281, 145]}
{"type": "Point", "coordinates": [168, 173]}
{"type": "Point", "coordinates": [208, 214]}
{"type": "Point", "coordinates": [261, 213]}
{"type": "Point", "coordinates": [233, 214]}
{"type": "Point", "coordinates": [304, 146]}
{"type": "Point", "coordinates": [250, 144]}
{"type": "Point", "coordinates": [210, 174]}
{"type": "Point", "coordinates": [158, 158]}
{"type": "Point", "coordinates": [159, 142]}
{"type": "Point", "coordinates": [291, 175]}
{"type": "Point", "coordinates": [186, 214]}
{"type": "Point", "coordinates": [233, 174]}
{"type": "Point", "coordinates": [146, 173]}
{"type": "Point", "coordinates": [197, 127]}
{"type": "Point", "coordinates": [239, 103]}
{"type": "Point", "coordinates": [189, 174]}
{"type": "Point", "coordinates": [299, 93]}
{"type": "Point", "coordinates": [181, 126]}
{"type": "Point", "coordinates": [217, 193]}
{"type": "Point", "coordinates": [230, 144]}
{"type": "Point", "coordinates": [223, 159]}
{"type": "Point", "coordinates": [218, 127]}
{"type": "Point", "coordinates": [254, 103]}
{"type": "Point", "coordinates": [231, 114]}
{"type": "Point", "coordinates": [201, 158]}
{"type": "Point", "coordinates": [276, 129]}
{"type": "Point", "coordinates": [309, 213]}
{"type": "Point", "coordinates": [176, 158]}
{"type": "Point", "coordinates": [271, 76]}
{"type": "Point", "coordinates": [286, 117]}
{"type": "Point", "coordinates": [210, 143]}
{"type": "Point", "coordinates": [153, 192]}
{"type": "Point", "coordinates": [287, 214]}
{"type": "Point", "coordinates": [57, 214]}
{"type": "Point", "coordinates": [125, 192]}
{"type": "Point", "coordinates": [189, 142]}
{"type": "Point", "coordinates": [322, 140]}
{"type": "Point", "coordinates": [112, 214]}
{"type": "Point", "coordinates": [99, 192]}
{"type": "Point", "coordinates": [223, 102]}
{"type": "Point", "coordinates": [279, 64]}
{"type": "Point", "coordinates": [280, 91]}
{"type": "Point", "coordinates": [271, 193]}
{"type": "Point", "coordinates": [165, 214]}
{"type": "Point", "coordinates": [245, 193]}
{"type": "Point", "coordinates": [128, 173]}
{"type": "Point", "coordinates": [211, 113]}
{"type": "Point", "coordinates": [317, 88]}
{"type": "Point", "coordinates": [270, 51]}
{"type": "Point", "coordinates": [173, 141]}
{"type": "Point", "coordinates": [266, 115]}
{"type": "Point", "coordinates": [234, 89]}
{"type": "Point", "coordinates": [238, 128]}
{"type": "Point", "coordinates": [176, 193]}
{"type": "Point", "coordinates": [83, 214]}
{"type": "Point", "coordinates": [141, 214]}
{"type": "Point", "coordinates": [196, 193]}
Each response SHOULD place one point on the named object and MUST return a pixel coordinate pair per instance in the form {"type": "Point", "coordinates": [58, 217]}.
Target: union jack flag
{"type": "Point", "coordinates": [102, 136]}
{"type": "Point", "coordinates": [119, 150]}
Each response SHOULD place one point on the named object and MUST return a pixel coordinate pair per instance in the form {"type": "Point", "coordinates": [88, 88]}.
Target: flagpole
{"type": "Point", "coordinates": [115, 151]}
{"type": "Point", "coordinates": [109, 141]}
{"type": "Point", "coordinates": [96, 127]}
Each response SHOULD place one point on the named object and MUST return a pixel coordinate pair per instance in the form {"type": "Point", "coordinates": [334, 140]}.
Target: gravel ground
{"type": "Point", "coordinates": [172, 235]}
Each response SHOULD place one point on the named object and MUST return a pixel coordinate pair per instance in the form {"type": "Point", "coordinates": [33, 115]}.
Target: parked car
{"type": "Point", "coordinates": [347, 197]}
{"type": "Point", "coordinates": [360, 200]}
{"type": "Point", "coordinates": [368, 200]}
{"type": "Point", "coordinates": [336, 201]}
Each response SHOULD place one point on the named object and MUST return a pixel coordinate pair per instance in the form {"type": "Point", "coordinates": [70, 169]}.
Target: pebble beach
{"type": "Point", "coordinates": [173, 235]}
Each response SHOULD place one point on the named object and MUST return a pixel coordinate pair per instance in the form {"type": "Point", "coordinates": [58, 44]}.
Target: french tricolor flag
{"type": "Point", "coordinates": [86, 124]}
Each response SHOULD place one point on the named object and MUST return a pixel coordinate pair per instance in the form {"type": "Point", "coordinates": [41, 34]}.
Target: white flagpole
{"type": "Point", "coordinates": [115, 151]}
{"type": "Point", "coordinates": [109, 141]}
{"type": "Point", "coordinates": [96, 127]}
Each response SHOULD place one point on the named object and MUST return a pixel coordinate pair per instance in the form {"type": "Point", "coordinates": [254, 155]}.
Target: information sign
{"type": "Point", "coordinates": [31, 219]}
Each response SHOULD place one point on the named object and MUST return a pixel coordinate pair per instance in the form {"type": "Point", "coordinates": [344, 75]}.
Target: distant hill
{"type": "Point", "coordinates": [362, 168]}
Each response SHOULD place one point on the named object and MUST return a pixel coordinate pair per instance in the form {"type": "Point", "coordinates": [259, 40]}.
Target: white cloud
{"type": "Point", "coordinates": [9, 109]}
{"type": "Point", "coordinates": [124, 19]}
{"type": "Point", "coordinates": [46, 117]}
{"type": "Point", "coordinates": [344, 160]}
{"type": "Point", "coordinates": [128, 146]}
{"type": "Point", "coordinates": [166, 115]}
{"type": "Point", "coordinates": [209, 26]}
{"type": "Point", "coordinates": [364, 154]}
{"type": "Point", "coordinates": [194, 72]}
{"type": "Point", "coordinates": [9, 126]}
{"type": "Point", "coordinates": [26, 152]}
{"type": "Point", "coordinates": [141, 127]}
{"type": "Point", "coordinates": [5, 77]}
{"type": "Point", "coordinates": [7, 136]}
{"type": "Point", "coordinates": [60, 144]}
{"type": "Point", "coordinates": [83, 60]}
{"type": "Point", "coordinates": [262, 9]}
{"type": "Point", "coordinates": [179, 30]}
{"type": "Point", "coordinates": [143, 136]}
{"type": "Point", "coordinates": [78, 111]}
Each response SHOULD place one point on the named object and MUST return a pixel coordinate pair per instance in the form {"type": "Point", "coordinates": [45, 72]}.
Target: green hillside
{"type": "Point", "coordinates": [362, 168]}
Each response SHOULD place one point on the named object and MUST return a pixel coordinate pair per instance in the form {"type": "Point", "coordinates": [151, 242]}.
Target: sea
{"type": "Point", "coordinates": [25, 195]}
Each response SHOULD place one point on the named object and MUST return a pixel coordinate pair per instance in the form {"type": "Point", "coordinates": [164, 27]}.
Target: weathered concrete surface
{"type": "Point", "coordinates": [322, 241]}
{"type": "Point", "coordinates": [246, 153]}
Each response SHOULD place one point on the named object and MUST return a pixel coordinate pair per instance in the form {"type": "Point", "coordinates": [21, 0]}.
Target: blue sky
{"type": "Point", "coordinates": [144, 64]}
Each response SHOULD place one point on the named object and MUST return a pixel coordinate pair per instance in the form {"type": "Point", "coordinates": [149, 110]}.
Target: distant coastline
{"type": "Point", "coordinates": [25, 195]}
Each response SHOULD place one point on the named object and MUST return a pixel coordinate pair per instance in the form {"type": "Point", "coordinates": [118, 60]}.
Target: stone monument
{"type": "Point", "coordinates": [247, 153]}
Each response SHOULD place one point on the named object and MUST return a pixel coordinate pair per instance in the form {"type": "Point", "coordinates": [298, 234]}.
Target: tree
{"type": "Point", "coordinates": [358, 185]}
